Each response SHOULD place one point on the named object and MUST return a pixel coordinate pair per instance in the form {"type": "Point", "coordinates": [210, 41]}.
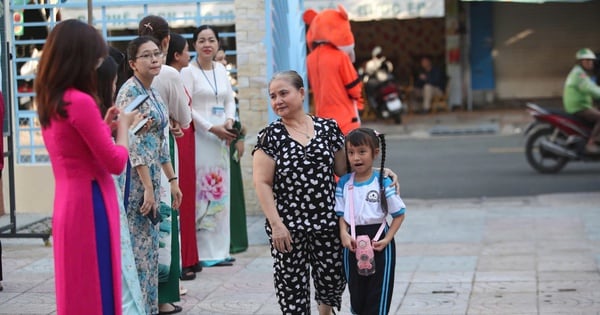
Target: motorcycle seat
{"type": "Point", "coordinates": [571, 117]}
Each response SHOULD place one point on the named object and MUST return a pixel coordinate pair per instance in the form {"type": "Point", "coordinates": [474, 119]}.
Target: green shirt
{"type": "Point", "coordinates": [579, 91]}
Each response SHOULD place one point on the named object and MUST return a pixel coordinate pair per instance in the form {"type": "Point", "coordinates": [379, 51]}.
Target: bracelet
{"type": "Point", "coordinates": [172, 179]}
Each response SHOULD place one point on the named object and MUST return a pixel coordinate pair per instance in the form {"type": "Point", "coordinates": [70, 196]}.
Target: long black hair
{"type": "Point", "coordinates": [106, 74]}
{"type": "Point", "coordinates": [176, 45]}
{"type": "Point", "coordinates": [373, 139]}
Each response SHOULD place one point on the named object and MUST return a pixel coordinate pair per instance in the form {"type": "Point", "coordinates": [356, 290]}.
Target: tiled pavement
{"type": "Point", "coordinates": [518, 256]}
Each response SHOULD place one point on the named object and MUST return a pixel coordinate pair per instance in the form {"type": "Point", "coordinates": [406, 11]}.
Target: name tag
{"type": "Point", "coordinates": [218, 111]}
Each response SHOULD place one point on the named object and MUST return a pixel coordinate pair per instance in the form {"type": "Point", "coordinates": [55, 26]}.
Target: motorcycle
{"type": "Point", "coordinates": [384, 96]}
{"type": "Point", "coordinates": [555, 138]}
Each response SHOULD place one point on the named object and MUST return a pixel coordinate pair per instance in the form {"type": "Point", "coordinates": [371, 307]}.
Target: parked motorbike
{"type": "Point", "coordinates": [384, 96]}
{"type": "Point", "coordinates": [555, 138]}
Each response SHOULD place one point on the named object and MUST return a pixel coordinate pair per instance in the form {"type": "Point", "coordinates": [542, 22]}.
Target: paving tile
{"type": "Point", "coordinates": [452, 249]}
{"type": "Point", "coordinates": [503, 303]}
{"type": "Point", "coordinates": [32, 303]}
{"type": "Point", "coordinates": [447, 263]}
{"type": "Point", "coordinates": [409, 249]}
{"type": "Point", "coordinates": [504, 276]}
{"type": "Point", "coordinates": [518, 247]}
{"type": "Point", "coordinates": [501, 287]}
{"type": "Point", "coordinates": [569, 261]}
{"type": "Point", "coordinates": [548, 247]}
{"type": "Point", "coordinates": [569, 286]}
{"type": "Point", "coordinates": [508, 256]}
{"type": "Point", "coordinates": [408, 263]}
{"type": "Point", "coordinates": [573, 302]}
{"type": "Point", "coordinates": [568, 275]}
{"type": "Point", "coordinates": [440, 288]}
{"type": "Point", "coordinates": [223, 303]}
{"type": "Point", "coordinates": [447, 276]}
{"type": "Point", "coordinates": [506, 262]}
{"type": "Point", "coordinates": [434, 304]}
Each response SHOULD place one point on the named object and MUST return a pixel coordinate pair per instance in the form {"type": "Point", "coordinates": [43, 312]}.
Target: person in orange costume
{"type": "Point", "coordinates": [335, 83]}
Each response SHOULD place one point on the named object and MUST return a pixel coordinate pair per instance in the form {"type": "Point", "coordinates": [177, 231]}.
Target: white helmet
{"type": "Point", "coordinates": [376, 51]}
{"type": "Point", "coordinates": [585, 53]}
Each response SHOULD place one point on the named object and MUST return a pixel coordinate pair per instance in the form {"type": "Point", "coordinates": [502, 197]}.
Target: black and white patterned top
{"type": "Point", "coordinates": [304, 183]}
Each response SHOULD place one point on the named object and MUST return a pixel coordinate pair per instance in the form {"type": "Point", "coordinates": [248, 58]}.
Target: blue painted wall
{"type": "Point", "coordinates": [481, 39]}
{"type": "Point", "coordinates": [285, 41]}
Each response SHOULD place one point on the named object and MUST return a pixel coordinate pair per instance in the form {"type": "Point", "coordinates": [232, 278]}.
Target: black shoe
{"type": "Point", "coordinates": [176, 309]}
{"type": "Point", "coordinates": [197, 267]}
{"type": "Point", "coordinates": [187, 273]}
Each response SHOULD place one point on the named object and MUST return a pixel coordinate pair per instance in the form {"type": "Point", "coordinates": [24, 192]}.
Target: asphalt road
{"type": "Point", "coordinates": [479, 166]}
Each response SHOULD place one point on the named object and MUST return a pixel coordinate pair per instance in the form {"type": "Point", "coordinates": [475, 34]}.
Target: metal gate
{"type": "Point", "coordinates": [117, 22]}
{"type": "Point", "coordinates": [27, 25]}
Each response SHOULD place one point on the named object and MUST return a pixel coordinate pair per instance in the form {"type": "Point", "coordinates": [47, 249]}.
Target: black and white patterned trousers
{"type": "Point", "coordinates": [316, 253]}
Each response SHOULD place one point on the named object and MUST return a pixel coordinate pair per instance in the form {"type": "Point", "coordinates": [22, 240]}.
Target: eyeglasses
{"type": "Point", "coordinates": [148, 55]}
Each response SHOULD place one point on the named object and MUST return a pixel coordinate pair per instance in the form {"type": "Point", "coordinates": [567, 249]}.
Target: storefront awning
{"type": "Point", "coordinates": [366, 10]}
{"type": "Point", "coordinates": [526, 1]}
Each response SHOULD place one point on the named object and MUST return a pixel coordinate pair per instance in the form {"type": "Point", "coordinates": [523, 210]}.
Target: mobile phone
{"type": "Point", "coordinates": [155, 219]}
{"type": "Point", "coordinates": [139, 100]}
{"type": "Point", "coordinates": [136, 129]}
{"type": "Point", "coordinates": [234, 131]}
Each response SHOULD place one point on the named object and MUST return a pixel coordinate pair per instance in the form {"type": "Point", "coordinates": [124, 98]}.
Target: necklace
{"type": "Point", "coordinates": [305, 132]}
{"type": "Point", "coordinates": [215, 88]}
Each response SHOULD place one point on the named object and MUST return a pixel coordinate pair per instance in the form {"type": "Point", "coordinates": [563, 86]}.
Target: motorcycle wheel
{"type": "Point", "coordinates": [542, 160]}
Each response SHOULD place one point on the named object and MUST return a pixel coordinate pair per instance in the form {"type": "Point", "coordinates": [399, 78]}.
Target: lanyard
{"type": "Point", "coordinates": [351, 206]}
{"type": "Point", "coordinates": [215, 88]}
{"type": "Point", "coordinates": [154, 102]}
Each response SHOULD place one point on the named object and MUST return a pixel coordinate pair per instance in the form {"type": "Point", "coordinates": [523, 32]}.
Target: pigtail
{"type": "Point", "coordinates": [384, 203]}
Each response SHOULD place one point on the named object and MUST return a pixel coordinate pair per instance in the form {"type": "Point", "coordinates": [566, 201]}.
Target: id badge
{"type": "Point", "coordinates": [218, 111]}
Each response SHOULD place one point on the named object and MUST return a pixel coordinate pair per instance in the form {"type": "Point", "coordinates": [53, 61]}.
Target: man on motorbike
{"type": "Point", "coordinates": [579, 92]}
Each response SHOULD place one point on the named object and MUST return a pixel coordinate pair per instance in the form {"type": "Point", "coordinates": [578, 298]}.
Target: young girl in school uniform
{"type": "Point", "coordinates": [364, 198]}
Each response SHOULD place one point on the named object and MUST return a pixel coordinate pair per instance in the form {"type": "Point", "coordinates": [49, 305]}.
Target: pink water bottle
{"type": "Point", "coordinates": [365, 256]}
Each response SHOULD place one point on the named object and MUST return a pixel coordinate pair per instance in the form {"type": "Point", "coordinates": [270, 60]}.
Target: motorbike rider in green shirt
{"type": "Point", "coordinates": [579, 92]}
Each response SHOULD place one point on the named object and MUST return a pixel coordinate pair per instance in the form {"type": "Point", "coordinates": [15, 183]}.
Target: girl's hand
{"type": "Point", "coordinates": [281, 238]}
{"type": "Point", "coordinates": [149, 203]}
{"type": "Point", "coordinates": [380, 245]}
{"type": "Point", "coordinates": [347, 241]}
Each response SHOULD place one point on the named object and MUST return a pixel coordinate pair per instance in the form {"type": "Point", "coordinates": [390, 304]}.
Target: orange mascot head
{"type": "Point", "coordinates": [330, 26]}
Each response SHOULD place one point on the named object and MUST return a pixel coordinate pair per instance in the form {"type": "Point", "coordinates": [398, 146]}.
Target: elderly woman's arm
{"type": "Point", "coordinates": [340, 168]}
{"type": "Point", "coordinates": [263, 169]}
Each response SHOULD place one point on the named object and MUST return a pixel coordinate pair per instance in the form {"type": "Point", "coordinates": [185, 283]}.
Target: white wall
{"type": "Point", "coordinates": [34, 188]}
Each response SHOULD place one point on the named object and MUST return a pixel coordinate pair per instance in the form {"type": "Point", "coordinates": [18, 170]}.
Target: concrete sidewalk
{"type": "Point", "coordinates": [526, 255]}
{"type": "Point", "coordinates": [460, 122]}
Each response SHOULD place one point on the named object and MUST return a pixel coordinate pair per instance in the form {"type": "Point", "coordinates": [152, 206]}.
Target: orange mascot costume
{"type": "Point", "coordinates": [334, 82]}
